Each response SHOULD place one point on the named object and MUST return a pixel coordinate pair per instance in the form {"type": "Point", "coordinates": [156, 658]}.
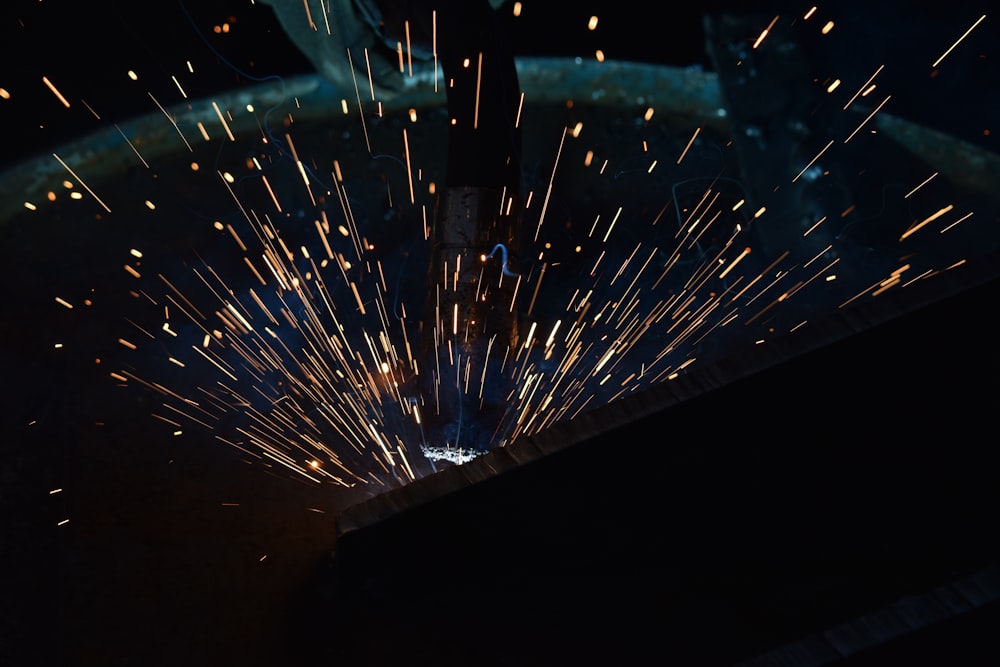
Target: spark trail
{"type": "Point", "coordinates": [295, 344]}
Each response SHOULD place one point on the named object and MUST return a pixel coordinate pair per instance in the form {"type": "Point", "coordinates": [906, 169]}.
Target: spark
{"type": "Point", "coordinates": [171, 120]}
{"type": "Point", "coordinates": [55, 91]}
{"type": "Point", "coordinates": [409, 50]}
{"type": "Point", "coordinates": [925, 182]}
{"type": "Point", "coordinates": [80, 181]}
{"type": "Point", "coordinates": [552, 178]}
{"type": "Point", "coordinates": [179, 87]}
{"type": "Point", "coordinates": [813, 161]}
{"type": "Point", "coordinates": [409, 168]}
{"type": "Point", "coordinates": [357, 94]}
{"type": "Point", "coordinates": [815, 225]}
{"type": "Point", "coordinates": [958, 41]}
{"type": "Point", "coordinates": [132, 146]}
{"type": "Point", "coordinates": [964, 217]}
{"type": "Point", "coordinates": [863, 87]}
{"type": "Point", "coordinates": [764, 33]}
{"type": "Point", "coordinates": [689, 144]}
{"type": "Point", "coordinates": [479, 82]}
{"type": "Point", "coordinates": [732, 265]}
{"type": "Point", "coordinates": [931, 218]}
{"type": "Point", "coordinates": [867, 118]}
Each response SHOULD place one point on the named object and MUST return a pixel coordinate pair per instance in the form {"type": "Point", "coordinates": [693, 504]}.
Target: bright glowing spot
{"type": "Point", "coordinates": [592, 23]}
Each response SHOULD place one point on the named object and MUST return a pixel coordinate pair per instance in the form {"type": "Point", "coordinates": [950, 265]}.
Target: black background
{"type": "Point", "coordinates": [862, 519]}
{"type": "Point", "coordinates": [86, 49]}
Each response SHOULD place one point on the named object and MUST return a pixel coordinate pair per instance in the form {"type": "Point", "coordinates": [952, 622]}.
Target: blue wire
{"type": "Point", "coordinates": [503, 254]}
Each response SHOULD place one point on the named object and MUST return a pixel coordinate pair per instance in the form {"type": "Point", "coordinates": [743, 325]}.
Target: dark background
{"type": "Point", "coordinates": [733, 542]}
{"type": "Point", "coordinates": [86, 49]}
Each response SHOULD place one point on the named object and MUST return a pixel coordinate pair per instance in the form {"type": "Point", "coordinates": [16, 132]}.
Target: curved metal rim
{"type": "Point", "coordinates": [688, 92]}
